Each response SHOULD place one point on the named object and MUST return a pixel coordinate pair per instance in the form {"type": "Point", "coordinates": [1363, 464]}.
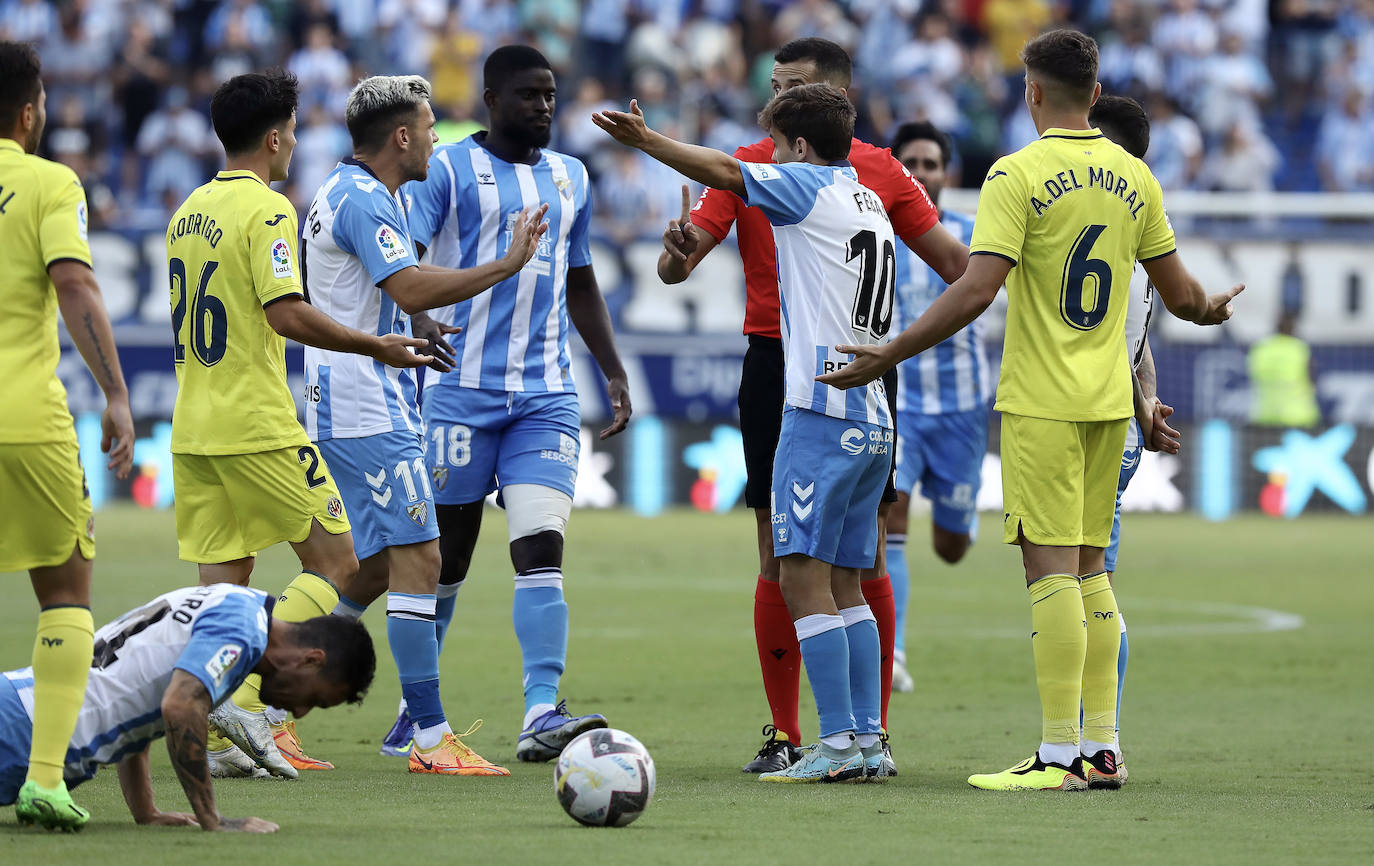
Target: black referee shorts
{"type": "Point", "coordinates": [761, 387]}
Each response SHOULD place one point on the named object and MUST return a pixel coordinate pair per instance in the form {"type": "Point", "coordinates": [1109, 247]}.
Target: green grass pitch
{"type": "Point", "coordinates": [1245, 744]}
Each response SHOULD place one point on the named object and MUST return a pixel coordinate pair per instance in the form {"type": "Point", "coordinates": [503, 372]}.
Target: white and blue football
{"type": "Point", "coordinates": [604, 778]}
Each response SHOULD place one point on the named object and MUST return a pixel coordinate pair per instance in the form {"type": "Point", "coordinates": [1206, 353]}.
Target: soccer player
{"type": "Point", "coordinates": [363, 417]}
{"type": "Point", "coordinates": [162, 668]}
{"type": "Point", "coordinates": [1123, 121]}
{"type": "Point", "coordinates": [687, 242]}
{"type": "Point", "coordinates": [836, 268]}
{"type": "Point", "coordinates": [1062, 222]}
{"type": "Point", "coordinates": [507, 415]}
{"type": "Point", "coordinates": [943, 399]}
{"type": "Point", "coordinates": [46, 526]}
{"type": "Point", "coordinates": [245, 475]}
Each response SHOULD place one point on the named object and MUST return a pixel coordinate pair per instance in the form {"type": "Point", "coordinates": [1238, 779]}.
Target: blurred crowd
{"type": "Point", "coordinates": [1244, 94]}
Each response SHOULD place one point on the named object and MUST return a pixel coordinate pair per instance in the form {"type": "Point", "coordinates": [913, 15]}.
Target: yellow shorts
{"type": "Point", "coordinates": [234, 505]}
{"type": "Point", "coordinates": [1059, 479]}
{"type": "Point", "coordinates": [45, 508]}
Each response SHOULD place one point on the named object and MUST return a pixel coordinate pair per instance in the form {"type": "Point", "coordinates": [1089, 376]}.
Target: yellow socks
{"type": "Point", "coordinates": [306, 597]}
{"type": "Point", "coordinates": [1059, 641]}
{"type": "Point", "coordinates": [1099, 667]}
{"type": "Point", "coordinates": [61, 664]}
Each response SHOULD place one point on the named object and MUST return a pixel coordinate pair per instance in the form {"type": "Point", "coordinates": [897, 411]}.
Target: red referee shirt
{"type": "Point", "coordinates": [908, 206]}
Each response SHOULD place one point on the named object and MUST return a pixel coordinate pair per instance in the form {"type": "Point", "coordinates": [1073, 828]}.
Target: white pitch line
{"type": "Point", "coordinates": [1240, 619]}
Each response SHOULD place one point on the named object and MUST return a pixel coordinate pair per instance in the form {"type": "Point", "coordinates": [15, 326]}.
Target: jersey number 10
{"type": "Point", "coordinates": [873, 296]}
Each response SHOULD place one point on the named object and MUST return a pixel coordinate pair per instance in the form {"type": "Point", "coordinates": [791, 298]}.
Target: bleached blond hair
{"type": "Point", "coordinates": [377, 105]}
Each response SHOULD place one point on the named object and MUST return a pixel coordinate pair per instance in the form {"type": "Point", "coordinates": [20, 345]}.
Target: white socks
{"type": "Point", "coordinates": [535, 712]}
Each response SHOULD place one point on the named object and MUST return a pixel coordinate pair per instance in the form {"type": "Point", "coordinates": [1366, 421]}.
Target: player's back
{"type": "Point", "coordinates": [515, 336]}
{"type": "Point", "coordinates": [42, 221]}
{"type": "Point", "coordinates": [1073, 212]}
{"type": "Point", "coordinates": [215, 633]}
{"type": "Point", "coordinates": [231, 250]}
{"type": "Point", "coordinates": [954, 375]}
{"type": "Point", "coordinates": [836, 270]}
{"type": "Point", "coordinates": [356, 235]}
{"type": "Point", "coordinates": [908, 206]}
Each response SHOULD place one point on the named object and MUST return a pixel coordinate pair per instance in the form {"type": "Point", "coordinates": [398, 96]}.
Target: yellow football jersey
{"type": "Point", "coordinates": [42, 221]}
{"type": "Point", "coordinates": [231, 250]}
{"type": "Point", "coordinates": [1073, 212]}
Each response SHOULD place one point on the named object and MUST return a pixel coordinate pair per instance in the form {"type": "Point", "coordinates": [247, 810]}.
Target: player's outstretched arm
{"type": "Point", "coordinates": [185, 707]}
{"type": "Point", "coordinates": [942, 251]}
{"type": "Point", "coordinates": [427, 287]}
{"type": "Point", "coordinates": [952, 311]}
{"type": "Point", "coordinates": [714, 168]}
{"type": "Point", "coordinates": [294, 319]}
{"type": "Point", "coordinates": [137, 785]}
{"type": "Point", "coordinates": [1184, 295]}
{"type": "Point", "coordinates": [78, 297]}
{"type": "Point", "coordinates": [587, 309]}
{"type": "Point", "coordinates": [684, 245]}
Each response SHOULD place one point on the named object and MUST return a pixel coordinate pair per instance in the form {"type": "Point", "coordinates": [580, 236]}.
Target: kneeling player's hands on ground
{"type": "Point", "coordinates": [680, 239]}
{"type": "Point", "coordinates": [168, 819]}
{"type": "Point", "coordinates": [524, 237]}
{"type": "Point", "coordinates": [869, 363]}
{"type": "Point", "coordinates": [394, 350]}
{"type": "Point", "coordinates": [246, 825]}
{"type": "Point", "coordinates": [422, 326]}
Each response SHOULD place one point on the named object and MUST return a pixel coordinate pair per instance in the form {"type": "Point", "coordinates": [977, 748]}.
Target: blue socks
{"type": "Point", "coordinates": [411, 633]}
{"type": "Point", "coordinates": [541, 626]}
{"type": "Point", "coordinates": [825, 652]}
{"type": "Point", "coordinates": [865, 668]}
{"type": "Point", "coordinates": [901, 583]}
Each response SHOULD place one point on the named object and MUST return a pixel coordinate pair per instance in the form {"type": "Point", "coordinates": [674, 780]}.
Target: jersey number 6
{"type": "Point", "coordinates": [209, 320]}
{"type": "Point", "coordinates": [1075, 288]}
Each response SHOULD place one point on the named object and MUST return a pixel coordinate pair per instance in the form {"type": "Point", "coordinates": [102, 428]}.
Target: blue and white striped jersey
{"type": "Point", "coordinates": [954, 376]}
{"type": "Point", "coordinates": [515, 336]}
{"type": "Point", "coordinates": [217, 634]}
{"type": "Point", "coordinates": [836, 265]}
{"type": "Point", "coordinates": [355, 236]}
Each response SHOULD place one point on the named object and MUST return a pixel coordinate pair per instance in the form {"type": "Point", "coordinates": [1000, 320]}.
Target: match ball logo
{"type": "Point", "coordinates": [281, 259]}
{"type": "Point", "coordinates": [390, 245]}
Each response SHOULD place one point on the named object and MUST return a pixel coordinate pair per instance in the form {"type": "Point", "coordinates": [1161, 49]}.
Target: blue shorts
{"type": "Point", "coordinates": [480, 440]}
{"type": "Point", "coordinates": [384, 483]}
{"type": "Point", "coordinates": [828, 476]}
{"type": "Point", "coordinates": [15, 730]}
{"type": "Point", "coordinates": [944, 453]}
{"type": "Point", "coordinates": [1130, 462]}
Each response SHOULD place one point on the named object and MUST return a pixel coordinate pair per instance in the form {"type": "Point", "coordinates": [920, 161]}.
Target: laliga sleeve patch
{"type": "Point", "coordinates": [223, 661]}
{"type": "Point", "coordinates": [281, 259]}
{"type": "Point", "coordinates": [389, 242]}
{"type": "Point", "coordinates": [82, 221]}
{"type": "Point", "coordinates": [763, 171]}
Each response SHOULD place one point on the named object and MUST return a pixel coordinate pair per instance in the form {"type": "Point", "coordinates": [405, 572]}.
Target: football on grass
{"type": "Point", "coordinates": [604, 778]}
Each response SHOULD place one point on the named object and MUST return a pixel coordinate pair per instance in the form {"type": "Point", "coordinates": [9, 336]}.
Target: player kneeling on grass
{"type": "Point", "coordinates": [836, 267]}
{"type": "Point", "coordinates": [162, 668]}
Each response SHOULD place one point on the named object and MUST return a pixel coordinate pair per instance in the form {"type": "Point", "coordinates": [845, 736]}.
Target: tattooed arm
{"type": "Point", "coordinates": [185, 706]}
{"type": "Point", "coordinates": [78, 296]}
{"type": "Point", "coordinates": [137, 786]}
